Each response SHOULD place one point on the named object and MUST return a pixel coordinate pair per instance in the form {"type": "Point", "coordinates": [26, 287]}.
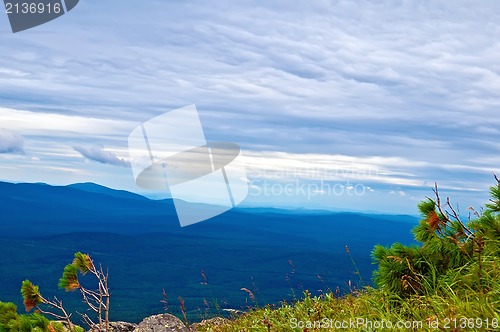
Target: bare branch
{"type": "Point", "coordinates": [446, 214]}
{"type": "Point", "coordinates": [87, 320]}
{"type": "Point", "coordinates": [57, 304]}
{"type": "Point", "coordinates": [457, 217]}
{"type": "Point", "coordinates": [50, 313]}
{"type": "Point", "coordinates": [438, 204]}
{"type": "Point", "coordinates": [87, 301]}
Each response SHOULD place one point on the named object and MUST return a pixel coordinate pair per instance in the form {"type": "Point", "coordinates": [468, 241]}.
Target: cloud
{"type": "Point", "coordinates": [318, 192]}
{"type": "Point", "coordinates": [415, 97]}
{"type": "Point", "coordinates": [35, 123]}
{"type": "Point", "coordinates": [11, 142]}
{"type": "Point", "coordinates": [97, 153]}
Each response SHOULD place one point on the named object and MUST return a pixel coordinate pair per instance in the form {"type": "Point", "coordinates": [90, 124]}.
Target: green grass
{"type": "Point", "coordinates": [450, 306]}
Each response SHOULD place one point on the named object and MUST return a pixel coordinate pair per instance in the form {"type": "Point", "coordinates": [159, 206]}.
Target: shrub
{"type": "Point", "coordinates": [11, 321]}
{"type": "Point", "coordinates": [452, 252]}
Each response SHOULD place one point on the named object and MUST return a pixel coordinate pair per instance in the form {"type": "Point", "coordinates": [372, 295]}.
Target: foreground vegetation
{"type": "Point", "coordinates": [97, 301]}
{"type": "Point", "coordinates": [451, 282]}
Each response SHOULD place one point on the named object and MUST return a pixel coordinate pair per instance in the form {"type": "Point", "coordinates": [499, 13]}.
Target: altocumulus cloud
{"type": "Point", "coordinates": [97, 153]}
{"type": "Point", "coordinates": [11, 142]}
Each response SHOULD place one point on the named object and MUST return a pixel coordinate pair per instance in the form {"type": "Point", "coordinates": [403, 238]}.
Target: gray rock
{"type": "Point", "coordinates": [162, 323]}
{"type": "Point", "coordinates": [117, 327]}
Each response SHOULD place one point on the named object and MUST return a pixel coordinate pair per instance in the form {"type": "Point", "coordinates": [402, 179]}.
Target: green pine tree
{"type": "Point", "coordinates": [450, 250]}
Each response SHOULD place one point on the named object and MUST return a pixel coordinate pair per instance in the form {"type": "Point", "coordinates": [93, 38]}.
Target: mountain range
{"type": "Point", "coordinates": [277, 254]}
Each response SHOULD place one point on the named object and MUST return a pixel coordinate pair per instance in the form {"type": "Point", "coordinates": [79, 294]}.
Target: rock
{"type": "Point", "coordinates": [117, 327]}
{"type": "Point", "coordinates": [162, 323]}
{"type": "Point", "coordinates": [122, 327]}
{"type": "Point", "coordinates": [216, 321]}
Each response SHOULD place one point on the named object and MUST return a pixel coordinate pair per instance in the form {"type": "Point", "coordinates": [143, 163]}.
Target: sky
{"type": "Point", "coordinates": [342, 105]}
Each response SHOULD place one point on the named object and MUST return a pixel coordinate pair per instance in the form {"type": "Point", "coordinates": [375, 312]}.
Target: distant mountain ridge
{"type": "Point", "coordinates": [79, 207]}
{"type": "Point", "coordinates": [71, 208]}
{"type": "Point", "coordinates": [99, 189]}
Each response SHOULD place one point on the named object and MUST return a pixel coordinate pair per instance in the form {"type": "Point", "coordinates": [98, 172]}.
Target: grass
{"type": "Point", "coordinates": [450, 308]}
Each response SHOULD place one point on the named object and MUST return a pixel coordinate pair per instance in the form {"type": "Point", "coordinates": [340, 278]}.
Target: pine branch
{"type": "Point", "coordinates": [457, 217]}
{"type": "Point", "coordinates": [87, 320]}
{"type": "Point", "coordinates": [446, 214]}
{"type": "Point", "coordinates": [57, 304]}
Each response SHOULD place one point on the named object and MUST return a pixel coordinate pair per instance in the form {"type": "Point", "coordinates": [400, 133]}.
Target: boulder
{"type": "Point", "coordinates": [117, 327]}
{"type": "Point", "coordinates": [162, 323]}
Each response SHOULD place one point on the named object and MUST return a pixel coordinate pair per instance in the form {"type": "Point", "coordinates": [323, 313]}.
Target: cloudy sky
{"type": "Point", "coordinates": [355, 105]}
